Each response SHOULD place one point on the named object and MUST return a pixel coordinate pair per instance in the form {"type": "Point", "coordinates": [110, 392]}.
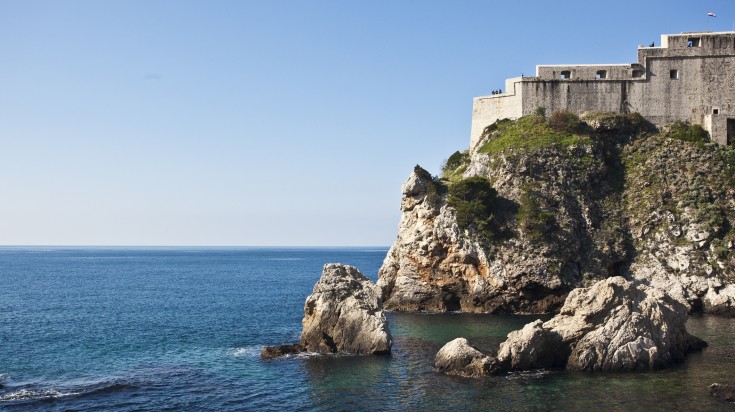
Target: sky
{"type": "Point", "coordinates": [266, 123]}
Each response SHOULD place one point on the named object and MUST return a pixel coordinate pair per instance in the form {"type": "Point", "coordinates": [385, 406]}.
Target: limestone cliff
{"type": "Point", "coordinates": [575, 202]}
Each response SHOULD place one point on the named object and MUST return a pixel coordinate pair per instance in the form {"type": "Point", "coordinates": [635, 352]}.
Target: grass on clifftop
{"type": "Point", "coordinates": [561, 130]}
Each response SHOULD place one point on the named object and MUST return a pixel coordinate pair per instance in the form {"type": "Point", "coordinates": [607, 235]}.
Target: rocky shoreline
{"type": "Point", "coordinates": [612, 326]}
{"type": "Point", "coordinates": [617, 228]}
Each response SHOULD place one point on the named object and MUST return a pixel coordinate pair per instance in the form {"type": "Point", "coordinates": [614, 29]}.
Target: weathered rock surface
{"type": "Point", "coordinates": [460, 358]}
{"type": "Point", "coordinates": [613, 325]}
{"type": "Point", "coordinates": [723, 392]}
{"type": "Point", "coordinates": [681, 208]}
{"type": "Point", "coordinates": [343, 314]}
{"type": "Point", "coordinates": [620, 201]}
{"type": "Point", "coordinates": [270, 352]}
{"type": "Point", "coordinates": [435, 266]}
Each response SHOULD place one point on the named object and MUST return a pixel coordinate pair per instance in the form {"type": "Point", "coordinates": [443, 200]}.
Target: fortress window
{"type": "Point", "coordinates": [601, 74]}
{"type": "Point", "coordinates": [637, 74]}
{"type": "Point", "coordinates": [694, 42]}
{"type": "Point", "coordinates": [673, 74]}
{"type": "Point", "coordinates": [565, 74]}
{"type": "Point", "coordinates": [715, 110]}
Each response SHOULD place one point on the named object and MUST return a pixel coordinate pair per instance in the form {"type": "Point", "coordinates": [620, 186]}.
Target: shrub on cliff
{"type": "Point", "coordinates": [564, 122]}
{"type": "Point", "coordinates": [456, 160]}
{"type": "Point", "coordinates": [693, 133]}
{"type": "Point", "coordinates": [455, 165]}
{"type": "Point", "coordinates": [472, 199]}
{"type": "Point", "coordinates": [533, 221]}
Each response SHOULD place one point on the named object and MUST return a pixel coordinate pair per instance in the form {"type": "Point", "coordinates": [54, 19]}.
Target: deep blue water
{"type": "Point", "coordinates": [182, 328]}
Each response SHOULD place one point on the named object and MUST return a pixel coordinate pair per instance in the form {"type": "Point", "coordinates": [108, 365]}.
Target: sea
{"type": "Point", "coordinates": [181, 329]}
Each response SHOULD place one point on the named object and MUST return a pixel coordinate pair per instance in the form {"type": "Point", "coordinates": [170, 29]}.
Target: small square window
{"type": "Point", "coordinates": [673, 74]}
{"type": "Point", "coordinates": [694, 42]}
{"type": "Point", "coordinates": [601, 74]}
{"type": "Point", "coordinates": [637, 74]}
{"type": "Point", "coordinates": [565, 74]}
{"type": "Point", "coordinates": [716, 110]}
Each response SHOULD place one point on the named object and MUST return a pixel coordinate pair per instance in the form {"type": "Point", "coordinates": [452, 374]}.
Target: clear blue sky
{"type": "Point", "coordinates": [265, 122]}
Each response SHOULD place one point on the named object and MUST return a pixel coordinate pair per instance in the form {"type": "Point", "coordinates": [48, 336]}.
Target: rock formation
{"type": "Point", "coordinates": [613, 325]}
{"type": "Point", "coordinates": [458, 357]}
{"type": "Point", "coordinates": [610, 198]}
{"type": "Point", "coordinates": [431, 267]}
{"type": "Point", "coordinates": [343, 314]}
{"type": "Point", "coordinates": [723, 392]}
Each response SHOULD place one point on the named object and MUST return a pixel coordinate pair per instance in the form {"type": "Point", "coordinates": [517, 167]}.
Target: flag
{"type": "Point", "coordinates": [709, 13]}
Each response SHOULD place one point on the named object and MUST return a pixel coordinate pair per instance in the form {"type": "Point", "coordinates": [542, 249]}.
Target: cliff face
{"type": "Point", "coordinates": [680, 205]}
{"type": "Point", "coordinates": [610, 198]}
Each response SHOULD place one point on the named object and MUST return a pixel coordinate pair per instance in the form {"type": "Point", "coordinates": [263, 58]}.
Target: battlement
{"type": "Point", "coordinates": [689, 77]}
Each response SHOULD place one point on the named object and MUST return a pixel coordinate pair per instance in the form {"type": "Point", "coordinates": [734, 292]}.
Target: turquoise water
{"type": "Point", "coordinates": [182, 328]}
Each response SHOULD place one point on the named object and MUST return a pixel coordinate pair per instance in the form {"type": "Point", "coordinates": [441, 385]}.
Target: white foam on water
{"type": "Point", "coordinates": [532, 374]}
{"type": "Point", "coordinates": [248, 351]}
{"type": "Point", "coordinates": [34, 394]}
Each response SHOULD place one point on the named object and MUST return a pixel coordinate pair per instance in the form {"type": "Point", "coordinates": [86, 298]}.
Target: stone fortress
{"type": "Point", "coordinates": [691, 77]}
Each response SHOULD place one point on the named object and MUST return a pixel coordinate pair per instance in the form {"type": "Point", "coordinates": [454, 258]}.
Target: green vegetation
{"type": "Point", "coordinates": [630, 119]}
{"type": "Point", "coordinates": [533, 131]}
{"type": "Point", "coordinates": [728, 159]}
{"type": "Point", "coordinates": [457, 163]}
{"type": "Point", "coordinates": [456, 160]}
{"type": "Point", "coordinates": [533, 221]}
{"type": "Point", "coordinates": [564, 122]}
{"type": "Point", "coordinates": [473, 198]}
{"type": "Point", "coordinates": [693, 133]}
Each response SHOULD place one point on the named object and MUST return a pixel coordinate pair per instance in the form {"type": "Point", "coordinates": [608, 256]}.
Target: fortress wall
{"type": "Point", "coordinates": [702, 85]}
{"type": "Point", "coordinates": [586, 71]}
{"type": "Point", "coordinates": [486, 110]}
{"type": "Point", "coordinates": [712, 86]}
{"type": "Point", "coordinates": [664, 99]}
{"type": "Point", "coordinates": [690, 77]}
{"type": "Point", "coordinates": [575, 96]}
{"type": "Point", "coordinates": [716, 124]}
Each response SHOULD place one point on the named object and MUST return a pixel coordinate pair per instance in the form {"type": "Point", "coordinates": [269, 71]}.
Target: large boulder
{"type": "Point", "coordinates": [460, 358]}
{"type": "Point", "coordinates": [614, 325]}
{"type": "Point", "coordinates": [343, 314]}
{"type": "Point", "coordinates": [533, 347]}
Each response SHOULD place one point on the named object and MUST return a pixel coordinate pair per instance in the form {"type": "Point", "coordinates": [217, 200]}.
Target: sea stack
{"type": "Point", "coordinates": [343, 314]}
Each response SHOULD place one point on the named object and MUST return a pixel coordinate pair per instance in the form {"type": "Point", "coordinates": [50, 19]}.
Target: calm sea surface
{"type": "Point", "coordinates": [181, 329]}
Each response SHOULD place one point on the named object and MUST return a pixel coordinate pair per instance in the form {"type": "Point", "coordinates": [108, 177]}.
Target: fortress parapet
{"type": "Point", "coordinates": [691, 77]}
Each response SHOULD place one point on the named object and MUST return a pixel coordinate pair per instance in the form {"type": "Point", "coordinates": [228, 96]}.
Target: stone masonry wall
{"type": "Point", "coordinates": [690, 77]}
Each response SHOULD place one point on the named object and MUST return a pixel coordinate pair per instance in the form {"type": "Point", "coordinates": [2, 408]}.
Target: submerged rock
{"type": "Point", "coordinates": [460, 358]}
{"type": "Point", "coordinates": [343, 314]}
{"type": "Point", "coordinates": [723, 392]}
{"type": "Point", "coordinates": [270, 352]}
{"type": "Point", "coordinates": [613, 325]}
